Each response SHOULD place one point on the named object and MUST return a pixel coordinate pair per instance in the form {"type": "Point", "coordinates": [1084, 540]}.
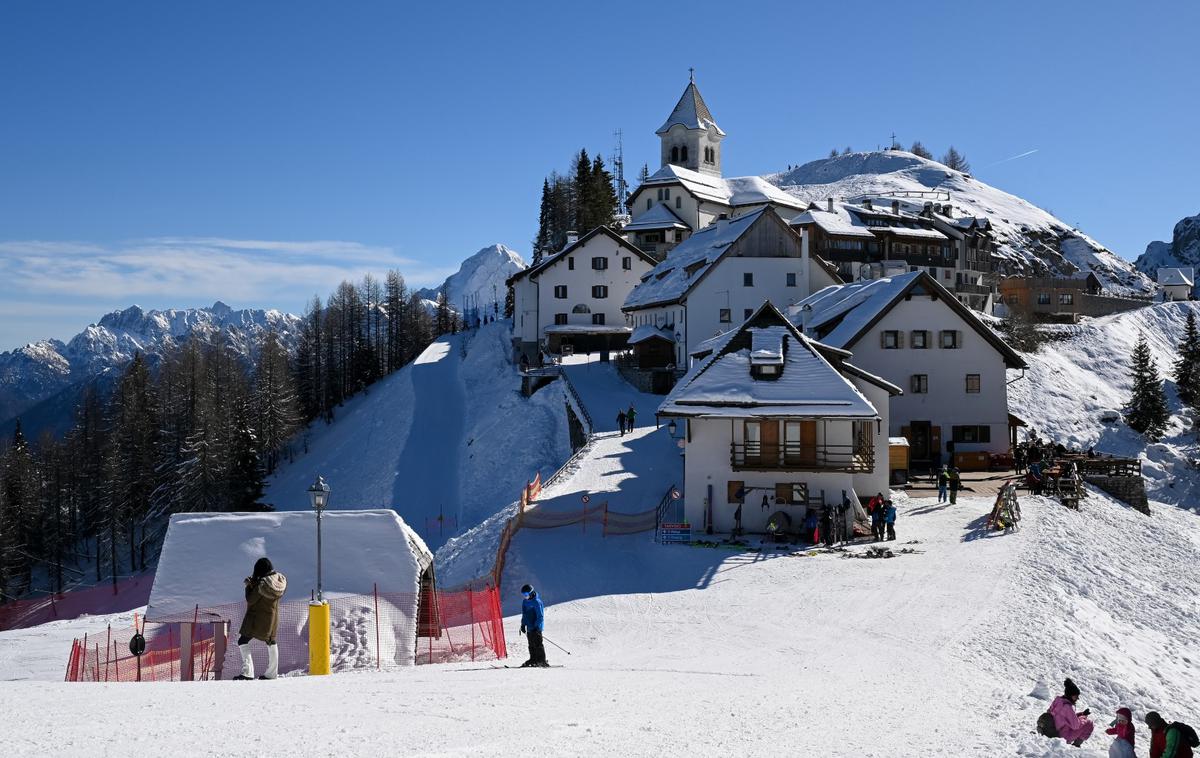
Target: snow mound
{"type": "Point", "coordinates": [1028, 238]}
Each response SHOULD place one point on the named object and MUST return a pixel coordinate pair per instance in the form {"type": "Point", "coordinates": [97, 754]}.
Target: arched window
{"type": "Point", "coordinates": [683, 153]}
{"type": "Point", "coordinates": [675, 154]}
{"type": "Point", "coordinates": [581, 308]}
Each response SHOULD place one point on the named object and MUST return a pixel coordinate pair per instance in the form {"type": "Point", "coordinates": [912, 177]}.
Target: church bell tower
{"type": "Point", "coordinates": [690, 137]}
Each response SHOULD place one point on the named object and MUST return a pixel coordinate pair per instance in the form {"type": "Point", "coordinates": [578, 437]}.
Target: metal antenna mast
{"type": "Point", "coordinates": [619, 164]}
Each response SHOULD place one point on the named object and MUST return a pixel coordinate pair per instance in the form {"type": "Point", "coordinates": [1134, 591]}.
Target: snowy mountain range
{"type": "Point", "coordinates": [1028, 239]}
{"type": "Point", "coordinates": [480, 279]}
{"type": "Point", "coordinates": [51, 373]}
{"type": "Point", "coordinates": [1182, 250]}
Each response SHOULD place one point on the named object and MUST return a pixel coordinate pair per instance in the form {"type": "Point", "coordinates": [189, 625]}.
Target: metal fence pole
{"type": "Point", "coordinates": [378, 649]}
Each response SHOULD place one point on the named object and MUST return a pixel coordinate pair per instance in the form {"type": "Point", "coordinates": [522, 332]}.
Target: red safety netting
{"type": "Point", "coordinates": [383, 630]}
{"type": "Point", "coordinates": [101, 599]}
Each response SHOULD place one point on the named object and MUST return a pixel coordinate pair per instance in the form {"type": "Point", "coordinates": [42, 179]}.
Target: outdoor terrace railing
{"type": "Point", "coordinates": [789, 456]}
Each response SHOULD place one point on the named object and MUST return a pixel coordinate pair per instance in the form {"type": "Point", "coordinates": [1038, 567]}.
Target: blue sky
{"type": "Point", "coordinates": [171, 154]}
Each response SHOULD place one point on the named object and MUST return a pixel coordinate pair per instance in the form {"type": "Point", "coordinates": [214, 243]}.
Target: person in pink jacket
{"type": "Point", "coordinates": [1072, 727]}
{"type": "Point", "coordinates": [1122, 730]}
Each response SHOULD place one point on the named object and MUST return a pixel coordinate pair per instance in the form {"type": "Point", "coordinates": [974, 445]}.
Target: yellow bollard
{"type": "Point", "coordinates": [318, 639]}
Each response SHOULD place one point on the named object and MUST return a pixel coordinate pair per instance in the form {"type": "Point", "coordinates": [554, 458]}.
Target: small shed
{"type": "Point", "coordinates": [898, 460]}
{"type": "Point", "coordinates": [1176, 283]}
{"type": "Point", "coordinates": [206, 556]}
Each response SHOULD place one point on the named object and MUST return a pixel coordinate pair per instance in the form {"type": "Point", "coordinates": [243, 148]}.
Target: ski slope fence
{"type": "Point", "coordinates": [376, 631]}
{"type": "Point", "coordinates": [125, 595]}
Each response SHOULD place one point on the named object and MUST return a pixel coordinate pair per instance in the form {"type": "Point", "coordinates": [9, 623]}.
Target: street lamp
{"type": "Point", "coordinates": [318, 496]}
{"type": "Point", "coordinates": [672, 428]}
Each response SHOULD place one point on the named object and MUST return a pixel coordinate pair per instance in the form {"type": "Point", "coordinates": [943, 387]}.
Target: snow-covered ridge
{"type": "Point", "coordinates": [35, 372]}
{"type": "Point", "coordinates": [1028, 238]}
{"type": "Point", "coordinates": [480, 279]}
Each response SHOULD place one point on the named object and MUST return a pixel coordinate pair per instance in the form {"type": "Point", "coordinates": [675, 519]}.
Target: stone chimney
{"type": "Point", "coordinates": [927, 211]}
{"type": "Point", "coordinates": [572, 238]}
{"type": "Point", "coordinates": [867, 203]}
{"type": "Point", "coordinates": [829, 204]}
{"type": "Point", "coordinates": [896, 207]}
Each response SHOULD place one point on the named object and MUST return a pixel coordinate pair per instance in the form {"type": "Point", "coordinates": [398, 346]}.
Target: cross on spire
{"type": "Point", "coordinates": [692, 75]}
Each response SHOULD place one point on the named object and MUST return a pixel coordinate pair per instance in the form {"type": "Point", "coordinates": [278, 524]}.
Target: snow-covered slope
{"type": "Point", "coordinates": [44, 369]}
{"type": "Point", "coordinates": [1029, 238]}
{"type": "Point", "coordinates": [480, 279]}
{"type": "Point", "coordinates": [1182, 250]}
{"type": "Point", "coordinates": [1073, 382]}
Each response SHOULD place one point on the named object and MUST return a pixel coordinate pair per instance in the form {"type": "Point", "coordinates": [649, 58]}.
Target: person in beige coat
{"type": "Point", "coordinates": [263, 590]}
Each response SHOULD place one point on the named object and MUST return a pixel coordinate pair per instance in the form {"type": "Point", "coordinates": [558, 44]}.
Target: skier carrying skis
{"type": "Point", "coordinates": [532, 621]}
{"type": "Point", "coordinates": [263, 590]}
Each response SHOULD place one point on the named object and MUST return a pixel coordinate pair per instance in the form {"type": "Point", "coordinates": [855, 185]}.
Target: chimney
{"type": "Point", "coordinates": [927, 211]}
{"type": "Point", "coordinates": [948, 211]}
{"type": "Point", "coordinates": [572, 238]}
{"type": "Point", "coordinates": [829, 204]}
{"type": "Point", "coordinates": [867, 204]}
{"type": "Point", "coordinates": [896, 207]}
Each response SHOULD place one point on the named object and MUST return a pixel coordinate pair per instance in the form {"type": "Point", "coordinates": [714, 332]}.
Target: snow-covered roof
{"type": "Point", "coordinates": [839, 221]}
{"type": "Point", "coordinates": [692, 112]}
{"type": "Point", "coordinates": [845, 219]}
{"type": "Point", "coordinates": [733, 191]}
{"type": "Point", "coordinates": [587, 329]}
{"type": "Point", "coordinates": [807, 385]}
{"type": "Point", "coordinates": [658, 217]}
{"type": "Point", "coordinates": [841, 313]}
{"type": "Point", "coordinates": [205, 556]}
{"type": "Point", "coordinates": [1170, 277]}
{"type": "Point", "coordinates": [751, 190]}
{"type": "Point", "coordinates": [688, 261]}
{"type": "Point", "coordinates": [649, 332]}
{"type": "Point", "coordinates": [550, 260]}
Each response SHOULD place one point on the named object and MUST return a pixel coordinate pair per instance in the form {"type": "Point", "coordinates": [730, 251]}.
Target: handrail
{"type": "Point", "coordinates": [798, 456]}
{"type": "Point", "coordinates": [579, 401]}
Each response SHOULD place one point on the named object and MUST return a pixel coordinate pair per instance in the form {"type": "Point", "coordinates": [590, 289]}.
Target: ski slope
{"type": "Point", "coordinates": [444, 436]}
{"type": "Point", "coordinates": [695, 651]}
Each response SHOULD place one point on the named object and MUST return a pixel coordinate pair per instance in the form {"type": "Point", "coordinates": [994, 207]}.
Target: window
{"type": "Point", "coordinates": [683, 153]}
{"type": "Point", "coordinates": [973, 383]}
{"type": "Point", "coordinates": [747, 313]}
{"type": "Point", "coordinates": [678, 201]}
{"type": "Point", "coordinates": [560, 291]}
{"type": "Point", "coordinates": [1043, 298]}
{"type": "Point", "coordinates": [919, 384]}
{"type": "Point", "coordinates": [933, 271]}
{"type": "Point", "coordinates": [747, 279]}
{"type": "Point", "coordinates": [679, 235]}
{"type": "Point", "coordinates": [598, 319]}
{"type": "Point", "coordinates": [599, 263]}
{"type": "Point", "coordinates": [560, 318]}
{"type": "Point", "coordinates": [627, 263]}
{"type": "Point", "coordinates": [1066, 298]}
{"type": "Point", "coordinates": [570, 264]}
{"type": "Point", "coordinates": [724, 316]}
{"type": "Point", "coordinates": [581, 308]}
{"type": "Point", "coordinates": [948, 339]}
{"type": "Point", "coordinates": [791, 279]}
{"type": "Point", "coordinates": [972, 433]}
{"type": "Point", "coordinates": [649, 203]}
{"type": "Point", "coordinates": [920, 340]}
{"type": "Point", "coordinates": [947, 274]}
{"type": "Point", "coordinates": [675, 154]}
{"type": "Point", "coordinates": [600, 291]}
{"type": "Point", "coordinates": [891, 340]}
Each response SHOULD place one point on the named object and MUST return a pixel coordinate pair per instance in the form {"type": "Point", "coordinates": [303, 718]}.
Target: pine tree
{"type": "Point", "coordinates": [644, 174]}
{"type": "Point", "coordinates": [847, 151]}
{"type": "Point", "coordinates": [1187, 364]}
{"type": "Point", "coordinates": [276, 413]}
{"type": "Point", "coordinates": [510, 302]}
{"type": "Point", "coordinates": [920, 150]}
{"type": "Point", "coordinates": [245, 466]}
{"type": "Point", "coordinates": [1146, 412]}
{"type": "Point", "coordinates": [444, 318]}
{"type": "Point", "coordinates": [956, 160]}
{"type": "Point", "coordinates": [833, 153]}
{"type": "Point", "coordinates": [543, 243]}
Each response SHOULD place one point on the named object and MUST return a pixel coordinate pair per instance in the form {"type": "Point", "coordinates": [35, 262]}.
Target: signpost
{"type": "Point", "coordinates": [675, 533]}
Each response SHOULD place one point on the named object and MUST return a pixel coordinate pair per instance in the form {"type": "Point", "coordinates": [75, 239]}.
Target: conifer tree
{"type": "Point", "coordinates": [245, 466]}
{"type": "Point", "coordinates": [1187, 364]}
{"type": "Point", "coordinates": [956, 160]}
{"type": "Point", "coordinates": [1146, 412]}
{"type": "Point", "coordinates": [644, 174]}
{"type": "Point", "coordinates": [833, 153]}
{"type": "Point", "coordinates": [543, 243]}
{"type": "Point", "coordinates": [920, 150]}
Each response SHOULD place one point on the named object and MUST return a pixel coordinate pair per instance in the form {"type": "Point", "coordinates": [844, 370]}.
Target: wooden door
{"type": "Point", "coordinates": [770, 443]}
{"type": "Point", "coordinates": [800, 443]}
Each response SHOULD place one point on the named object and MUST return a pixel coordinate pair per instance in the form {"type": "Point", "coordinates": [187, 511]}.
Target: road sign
{"type": "Point", "coordinates": [586, 499]}
{"type": "Point", "coordinates": [675, 494]}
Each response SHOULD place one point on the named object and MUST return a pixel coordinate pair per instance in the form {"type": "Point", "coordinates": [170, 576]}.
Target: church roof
{"type": "Point", "coordinates": [658, 217]}
{"type": "Point", "coordinates": [692, 112]}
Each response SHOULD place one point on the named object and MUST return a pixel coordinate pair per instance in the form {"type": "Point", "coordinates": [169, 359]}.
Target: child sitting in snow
{"type": "Point", "coordinates": [1122, 746]}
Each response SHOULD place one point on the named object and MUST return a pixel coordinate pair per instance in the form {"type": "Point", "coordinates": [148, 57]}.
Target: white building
{"type": "Point", "coordinates": [777, 422]}
{"type": "Point", "coordinates": [719, 276]}
{"type": "Point", "coordinates": [688, 192]}
{"type": "Point", "coordinates": [911, 331]}
{"type": "Point", "coordinates": [1176, 283]}
{"type": "Point", "coordinates": [574, 297]}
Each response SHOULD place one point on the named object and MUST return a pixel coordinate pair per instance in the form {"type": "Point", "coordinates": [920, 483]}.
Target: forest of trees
{"type": "Point", "coordinates": [579, 202]}
{"type": "Point", "coordinates": [198, 432]}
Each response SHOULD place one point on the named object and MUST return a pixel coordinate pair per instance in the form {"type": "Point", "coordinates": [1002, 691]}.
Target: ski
{"type": "Point", "coordinates": [552, 666]}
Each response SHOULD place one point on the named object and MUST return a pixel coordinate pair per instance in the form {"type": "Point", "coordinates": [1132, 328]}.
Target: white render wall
{"type": "Point", "coordinates": [707, 462]}
{"type": "Point", "coordinates": [877, 480]}
{"type": "Point", "coordinates": [947, 403]}
{"type": "Point", "coordinates": [723, 288]}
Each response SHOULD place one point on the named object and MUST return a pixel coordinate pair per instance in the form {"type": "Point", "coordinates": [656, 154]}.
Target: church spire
{"type": "Point", "coordinates": [690, 136]}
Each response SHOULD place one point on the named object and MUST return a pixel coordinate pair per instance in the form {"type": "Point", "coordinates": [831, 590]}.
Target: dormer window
{"type": "Point", "coordinates": [765, 371]}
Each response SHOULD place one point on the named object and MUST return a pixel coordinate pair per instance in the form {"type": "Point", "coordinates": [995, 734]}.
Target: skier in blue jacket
{"type": "Point", "coordinates": [532, 621]}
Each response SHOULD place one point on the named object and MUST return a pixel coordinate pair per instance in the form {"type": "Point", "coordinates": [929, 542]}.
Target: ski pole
{"type": "Point", "coordinates": [555, 644]}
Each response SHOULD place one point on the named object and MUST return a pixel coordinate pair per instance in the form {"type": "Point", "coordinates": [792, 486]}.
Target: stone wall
{"type": "Point", "coordinates": [1128, 489]}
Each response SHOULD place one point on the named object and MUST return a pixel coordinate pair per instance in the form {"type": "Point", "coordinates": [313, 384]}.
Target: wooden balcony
{"type": "Point", "coordinates": [788, 456]}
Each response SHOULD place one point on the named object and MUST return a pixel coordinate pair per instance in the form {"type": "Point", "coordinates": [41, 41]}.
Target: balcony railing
{"type": "Point", "coordinates": [972, 289]}
{"type": "Point", "coordinates": [798, 456]}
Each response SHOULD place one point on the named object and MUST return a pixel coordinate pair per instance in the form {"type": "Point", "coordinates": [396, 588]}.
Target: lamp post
{"type": "Point", "coordinates": [318, 610]}
{"type": "Point", "coordinates": [318, 496]}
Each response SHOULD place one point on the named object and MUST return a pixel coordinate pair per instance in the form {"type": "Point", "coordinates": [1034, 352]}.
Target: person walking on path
{"type": "Point", "coordinates": [630, 417]}
{"type": "Point", "coordinates": [533, 615]}
{"type": "Point", "coordinates": [877, 521]}
{"type": "Point", "coordinates": [1122, 730]}
{"type": "Point", "coordinates": [943, 479]}
{"type": "Point", "coordinates": [1072, 727]}
{"type": "Point", "coordinates": [889, 519]}
{"type": "Point", "coordinates": [621, 422]}
{"type": "Point", "coordinates": [1174, 740]}
{"type": "Point", "coordinates": [955, 482]}
{"type": "Point", "coordinates": [264, 588]}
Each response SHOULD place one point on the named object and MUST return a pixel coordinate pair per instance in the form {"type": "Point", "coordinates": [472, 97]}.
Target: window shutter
{"type": "Point", "coordinates": [957, 338]}
{"type": "Point", "coordinates": [732, 494]}
{"type": "Point", "coordinates": [783, 494]}
{"type": "Point", "coordinates": [900, 340]}
{"type": "Point", "coordinates": [883, 339]}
